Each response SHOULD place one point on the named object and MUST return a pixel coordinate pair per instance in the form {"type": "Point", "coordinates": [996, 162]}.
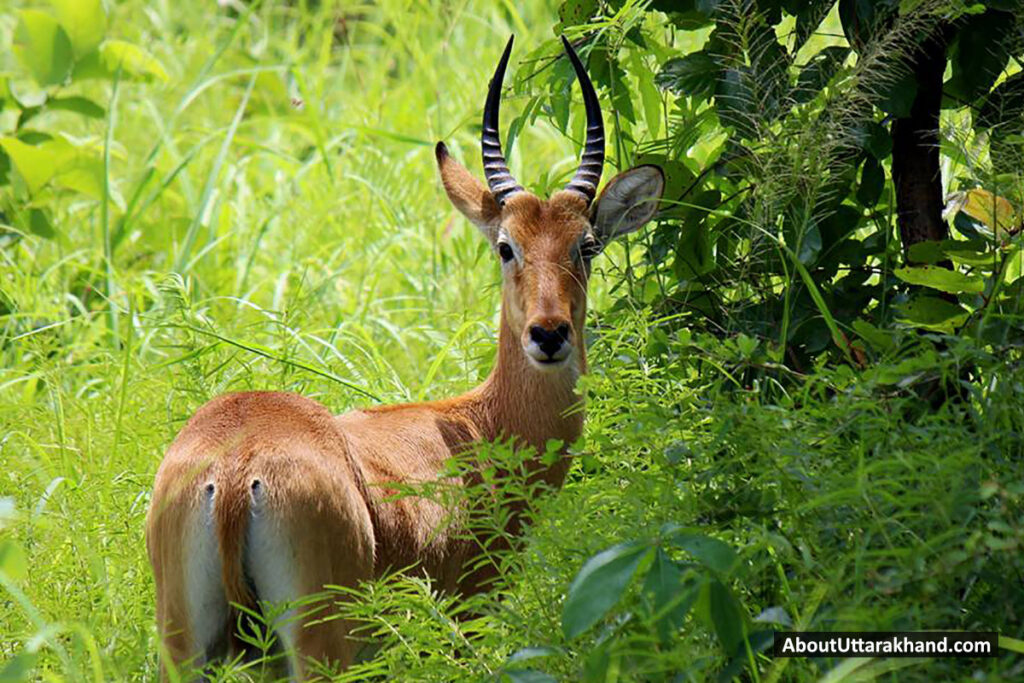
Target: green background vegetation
{"type": "Point", "coordinates": [799, 416]}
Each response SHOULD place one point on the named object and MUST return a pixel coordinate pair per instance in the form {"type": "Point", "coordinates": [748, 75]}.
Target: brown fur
{"type": "Point", "coordinates": [328, 480]}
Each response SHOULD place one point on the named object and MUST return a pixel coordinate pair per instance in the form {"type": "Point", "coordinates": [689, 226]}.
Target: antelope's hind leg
{"type": "Point", "coordinates": [308, 529]}
{"type": "Point", "coordinates": [192, 610]}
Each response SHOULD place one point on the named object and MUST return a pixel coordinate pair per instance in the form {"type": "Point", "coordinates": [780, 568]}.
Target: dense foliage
{"type": "Point", "coordinates": [806, 400]}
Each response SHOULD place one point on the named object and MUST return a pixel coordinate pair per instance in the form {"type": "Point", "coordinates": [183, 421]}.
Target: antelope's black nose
{"type": "Point", "coordinates": [550, 341]}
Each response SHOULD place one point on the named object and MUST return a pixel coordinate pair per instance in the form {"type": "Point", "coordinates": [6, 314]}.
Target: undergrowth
{"type": "Point", "coordinates": [283, 228]}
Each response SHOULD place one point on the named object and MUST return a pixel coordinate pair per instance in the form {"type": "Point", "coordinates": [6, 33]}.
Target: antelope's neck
{"type": "Point", "coordinates": [521, 400]}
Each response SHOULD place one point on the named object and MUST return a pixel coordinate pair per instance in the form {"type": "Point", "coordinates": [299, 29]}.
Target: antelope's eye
{"type": "Point", "coordinates": [505, 252]}
{"type": "Point", "coordinates": [589, 248]}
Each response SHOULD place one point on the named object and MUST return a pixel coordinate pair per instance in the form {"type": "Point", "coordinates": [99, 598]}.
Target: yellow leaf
{"type": "Point", "coordinates": [996, 212]}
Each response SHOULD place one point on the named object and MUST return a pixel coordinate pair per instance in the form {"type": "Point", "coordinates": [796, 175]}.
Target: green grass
{"type": "Point", "coordinates": [264, 245]}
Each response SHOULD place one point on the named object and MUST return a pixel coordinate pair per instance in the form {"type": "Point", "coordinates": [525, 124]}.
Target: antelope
{"type": "Point", "coordinates": [266, 497]}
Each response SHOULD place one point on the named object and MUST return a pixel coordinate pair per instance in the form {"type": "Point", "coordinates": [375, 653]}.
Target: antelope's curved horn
{"type": "Point", "coordinates": [501, 182]}
{"type": "Point", "coordinates": [589, 172]}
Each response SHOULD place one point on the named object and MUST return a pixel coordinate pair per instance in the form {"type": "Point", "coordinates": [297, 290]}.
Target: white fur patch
{"type": "Point", "coordinates": [270, 562]}
{"type": "Point", "coordinates": [204, 590]}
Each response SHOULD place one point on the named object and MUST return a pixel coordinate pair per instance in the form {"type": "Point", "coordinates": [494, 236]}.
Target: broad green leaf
{"type": "Point", "coordinates": [84, 21]}
{"type": "Point", "coordinates": [695, 254]}
{"type": "Point", "coordinates": [13, 564]}
{"type": "Point", "coordinates": [576, 12]}
{"type": "Point", "coordinates": [1014, 266]}
{"type": "Point", "coordinates": [86, 176]}
{"type": "Point", "coordinates": [664, 584]}
{"type": "Point", "coordinates": [77, 104]}
{"type": "Point", "coordinates": [735, 103]}
{"type": "Point", "coordinates": [879, 340]}
{"type": "Point", "coordinates": [43, 47]}
{"type": "Point", "coordinates": [897, 96]}
{"type": "Point", "coordinates": [873, 138]}
{"type": "Point", "coordinates": [133, 61]}
{"type": "Point", "coordinates": [979, 55]}
{"type": "Point", "coordinates": [39, 224]}
{"type": "Point", "coordinates": [678, 177]}
{"type": "Point", "coordinates": [720, 610]}
{"type": "Point", "coordinates": [1011, 644]}
{"type": "Point", "coordinates": [26, 96]}
{"type": "Point", "coordinates": [941, 279]}
{"type": "Point", "coordinates": [978, 257]}
{"type": "Point", "coordinates": [599, 585]}
{"type": "Point", "coordinates": [36, 164]}
{"type": "Point", "coordinates": [650, 98]}
{"type": "Point", "coordinates": [810, 244]}
{"type": "Point", "coordinates": [972, 253]}
{"type": "Point", "coordinates": [932, 313]}
{"type": "Point", "coordinates": [710, 552]}
{"type": "Point", "coordinates": [694, 74]}
{"type": "Point", "coordinates": [817, 73]}
{"type": "Point", "coordinates": [872, 182]}
{"type": "Point", "coordinates": [19, 668]}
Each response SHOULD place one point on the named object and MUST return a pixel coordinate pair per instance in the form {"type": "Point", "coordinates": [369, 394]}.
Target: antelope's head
{"type": "Point", "coordinates": [545, 246]}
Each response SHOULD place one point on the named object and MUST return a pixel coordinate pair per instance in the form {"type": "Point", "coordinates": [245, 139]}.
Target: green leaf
{"type": "Point", "coordinates": [664, 584]}
{"type": "Point", "coordinates": [599, 585]}
{"type": "Point", "coordinates": [897, 96]}
{"type": "Point", "coordinates": [36, 164]}
{"type": "Point", "coordinates": [132, 59]}
{"type": "Point", "coordinates": [13, 564]}
{"type": "Point", "coordinates": [694, 253]}
{"type": "Point", "coordinates": [872, 182]}
{"type": "Point", "coordinates": [694, 74]}
{"type": "Point", "coordinates": [862, 20]}
{"type": "Point", "coordinates": [973, 253]}
{"type": "Point", "coordinates": [43, 47]}
{"type": "Point", "coordinates": [980, 54]}
{"type": "Point", "coordinates": [932, 313]}
{"type": "Point", "coordinates": [722, 612]}
{"type": "Point", "coordinates": [650, 98]}
{"type": "Point", "coordinates": [873, 138]}
{"type": "Point", "coordinates": [134, 62]}
{"type": "Point", "coordinates": [1011, 644]}
{"type": "Point", "coordinates": [817, 73]}
{"type": "Point", "coordinates": [79, 105]}
{"type": "Point", "coordinates": [710, 552]}
{"type": "Point", "coordinates": [678, 177]}
{"type": "Point", "coordinates": [810, 244]}
{"type": "Point", "coordinates": [1013, 268]}
{"type": "Point", "coordinates": [84, 21]}
{"type": "Point", "coordinates": [879, 340]}
{"type": "Point", "coordinates": [19, 668]}
{"type": "Point", "coordinates": [39, 224]}
{"type": "Point", "coordinates": [576, 12]}
{"type": "Point", "coordinates": [734, 102]}
{"type": "Point", "coordinates": [940, 278]}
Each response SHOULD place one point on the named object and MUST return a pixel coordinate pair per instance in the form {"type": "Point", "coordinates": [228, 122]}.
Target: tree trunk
{"type": "Point", "coordinates": [915, 148]}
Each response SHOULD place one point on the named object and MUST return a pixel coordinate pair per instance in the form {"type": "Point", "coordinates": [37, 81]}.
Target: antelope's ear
{"type": "Point", "coordinates": [628, 201]}
{"type": "Point", "coordinates": [470, 196]}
